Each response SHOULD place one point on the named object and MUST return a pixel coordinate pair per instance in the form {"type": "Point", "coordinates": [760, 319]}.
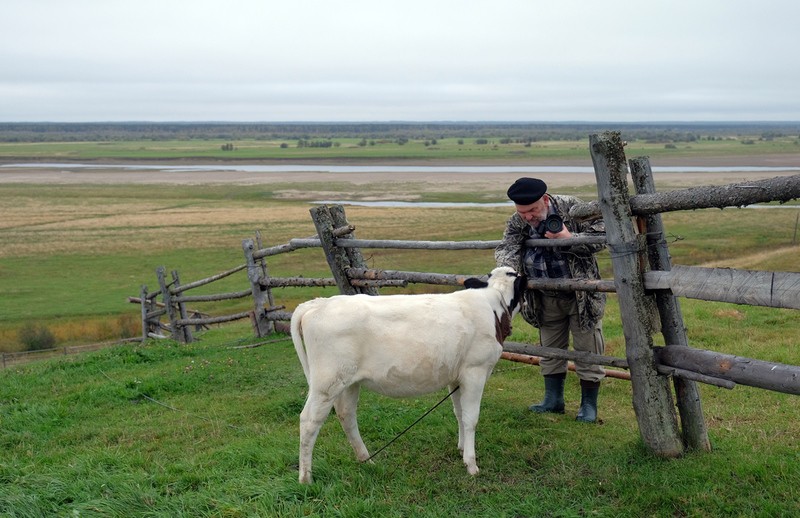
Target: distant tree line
{"type": "Point", "coordinates": [314, 134]}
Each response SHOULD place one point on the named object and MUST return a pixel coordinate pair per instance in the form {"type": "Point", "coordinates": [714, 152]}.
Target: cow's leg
{"type": "Point", "coordinates": [314, 414]}
{"type": "Point", "coordinates": [345, 406]}
{"type": "Point", "coordinates": [455, 397]}
{"type": "Point", "coordinates": [471, 392]}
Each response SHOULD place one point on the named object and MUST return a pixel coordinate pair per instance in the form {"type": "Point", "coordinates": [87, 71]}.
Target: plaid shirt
{"type": "Point", "coordinates": [545, 262]}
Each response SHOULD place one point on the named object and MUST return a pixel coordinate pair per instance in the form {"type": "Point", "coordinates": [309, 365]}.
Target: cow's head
{"type": "Point", "coordinates": [509, 283]}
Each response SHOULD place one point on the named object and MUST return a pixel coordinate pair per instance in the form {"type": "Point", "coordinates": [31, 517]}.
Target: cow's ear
{"type": "Point", "coordinates": [473, 283]}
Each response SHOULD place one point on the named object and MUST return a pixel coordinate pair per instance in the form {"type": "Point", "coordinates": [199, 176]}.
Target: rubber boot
{"type": "Point", "coordinates": [588, 410]}
{"type": "Point", "coordinates": [553, 395]}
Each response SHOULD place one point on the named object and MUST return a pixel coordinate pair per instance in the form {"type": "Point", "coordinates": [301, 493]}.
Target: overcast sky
{"type": "Point", "coordinates": [408, 60]}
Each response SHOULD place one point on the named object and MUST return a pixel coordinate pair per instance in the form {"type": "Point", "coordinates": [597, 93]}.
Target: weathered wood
{"type": "Point", "coordinates": [163, 311]}
{"type": "Point", "coordinates": [781, 188]}
{"type": "Point", "coordinates": [564, 354]}
{"type": "Point", "coordinates": [214, 297]}
{"type": "Point", "coordinates": [156, 313]}
{"type": "Point", "coordinates": [209, 280]}
{"type": "Point", "coordinates": [262, 325]}
{"type": "Point", "coordinates": [392, 283]}
{"type": "Point", "coordinates": [687, 395]}
{"type": "Point", "coordinates": [744, 371]}
{"type": "Point", "coordinates": [578, 239]}
{"type": "Point", "coordinates": [144, 303]}
{"type": "Point", "coordinates": [344, 230]}
{"type": "Point", "coordinates": [279, 249]}
{"type": "Point", "coordinates": [652, 399]}
{"type": "Point", "coordinates": [264, 270]}
{"type": "Point", "coordinates": [458, 280]}
{"type": "Point", "coordinates": [694, 376]}
{"type": "Point", "coordinates": [214, 320]}
{"type": "Point", "coordinates": [342, 233]}
{"type": "Point", "coordinates": [445, 279]}
{"type": "Point", "coordinates": [756, 288]}
{"type": "Point", "coordinates": [337, 257]}
{"type": "Point", "coordinates": [444, 245]}
{"type": "Point", "coordinates": [186, 332]}
{"type": "Point", "coordinates": [606, 286]}
{"type": "Point", "coordinates": [282, 282]}
{"type": "Point", "coordinates": [161, 274]}
{"type": "Point", "coordinates": [417, 245]}
{"type": "Point", "coordinates": [535, 360]}
{"type": "Point", "coordinates": [597, 359]}
{"type": "Point", "coordinates": [279, 315]}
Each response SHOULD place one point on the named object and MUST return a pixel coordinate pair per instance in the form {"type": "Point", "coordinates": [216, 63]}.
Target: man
{"type": "Point", "coordinates": [557, 313]}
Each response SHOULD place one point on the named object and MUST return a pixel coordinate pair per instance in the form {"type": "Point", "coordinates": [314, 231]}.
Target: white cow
{"type": "Point", "coordinates": [402, 345]}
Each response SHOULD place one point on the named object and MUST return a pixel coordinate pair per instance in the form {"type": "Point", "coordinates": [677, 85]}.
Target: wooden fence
{"type": "Point", "coordinates": [643, 278]}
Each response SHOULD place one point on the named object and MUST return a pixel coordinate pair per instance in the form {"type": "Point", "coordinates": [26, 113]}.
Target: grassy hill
{"type": "Point", "coordinates": [211, 429]}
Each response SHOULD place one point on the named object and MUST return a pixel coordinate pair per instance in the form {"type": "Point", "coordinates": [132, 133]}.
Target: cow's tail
{"type": "Point", "coordinates": [297, 335]}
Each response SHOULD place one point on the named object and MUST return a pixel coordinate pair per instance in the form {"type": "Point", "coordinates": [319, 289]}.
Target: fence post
{"type": "Point", "coordinates": [261, 325]}
{"type": "Point", "coordinates": [326, 220]}
{"type": "Point", "coordinates": [173, 320]}
{"type": "Point", "coordinates": [264, 270]}
{"type": "Point", "coordinates": [652, 399]}
{"type": "Point", "coordinates": [186, 331]}
{"type": "Point", "coordinates": [145, 324]}
{"type": "Point", "coordinates": [695, 433]}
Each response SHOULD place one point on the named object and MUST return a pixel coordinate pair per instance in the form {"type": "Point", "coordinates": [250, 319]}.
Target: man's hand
{"type": "Point", "coordinates": [563, 234]}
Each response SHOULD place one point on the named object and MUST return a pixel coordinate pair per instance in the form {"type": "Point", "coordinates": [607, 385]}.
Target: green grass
{"type": "Point", "coordinates": [72, 255]}
{"type": "Point", "coordinates": [348, 148]}
{"type": "Point", "coordinates": [209, 430]}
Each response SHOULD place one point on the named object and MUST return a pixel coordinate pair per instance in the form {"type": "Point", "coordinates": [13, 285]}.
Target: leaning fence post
{"type": "Point", "coordinates": [264, 270]}
{"type": "Point", "coordinates": [261, 325]}
{"type": "Point", "coordinates": [354, 256]}
{"type": "Point", "coordinates": [687, 395]}
{"type": "Point", "coordinates": [652, 399]}
{"type": "Point", "coordinates": [338, 258]}
{"type": "Point", "coordinates": [186, 331]}
{"type": "Point", "coordinates": [145, 324]}
{"type": "Point", "coordinates": [173, 319]}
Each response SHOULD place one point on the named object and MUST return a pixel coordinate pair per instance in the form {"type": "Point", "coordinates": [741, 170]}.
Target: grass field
{"type": "Point", "coordinates": [210, 429]}
{"type": "Point", "coordinates": [72, 255]}
{"type": "Point", "coordinates": [444, 149]}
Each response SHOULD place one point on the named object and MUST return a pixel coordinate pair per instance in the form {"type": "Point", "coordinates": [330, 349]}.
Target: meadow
{"type": "Point", "coordinates": [210, 428]}
{"type": "Point", "coordinates": [480, 150]}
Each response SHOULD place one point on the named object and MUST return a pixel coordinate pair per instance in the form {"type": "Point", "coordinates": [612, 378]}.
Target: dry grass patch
{"type": "Point", "coordinates": [773, 259]}
{"type": "Point", "coordinates": [47, 226]}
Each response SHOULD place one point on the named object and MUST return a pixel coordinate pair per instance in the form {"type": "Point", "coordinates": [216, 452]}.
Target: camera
{"type": "Point", "coordinates": [553, 224]}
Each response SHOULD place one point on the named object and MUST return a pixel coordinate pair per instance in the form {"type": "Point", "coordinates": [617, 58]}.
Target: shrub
{"type": "Point", "coordinates": [36, 337]}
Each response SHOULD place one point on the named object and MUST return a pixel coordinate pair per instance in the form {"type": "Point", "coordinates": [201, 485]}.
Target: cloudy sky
{"type": "Point", "coordinates": [410, 60]}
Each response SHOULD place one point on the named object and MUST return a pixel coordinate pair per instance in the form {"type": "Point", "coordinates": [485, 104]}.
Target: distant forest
{"type": "Point", "coordinates": [160, 131]}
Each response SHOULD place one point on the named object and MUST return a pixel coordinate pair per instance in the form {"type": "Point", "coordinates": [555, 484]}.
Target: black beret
{"type": "Point", "coordinates": [526, 191]}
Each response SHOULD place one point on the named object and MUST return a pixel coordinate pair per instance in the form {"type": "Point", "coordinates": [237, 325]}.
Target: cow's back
{"type": "Point", "coordinates": [398, 345]}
